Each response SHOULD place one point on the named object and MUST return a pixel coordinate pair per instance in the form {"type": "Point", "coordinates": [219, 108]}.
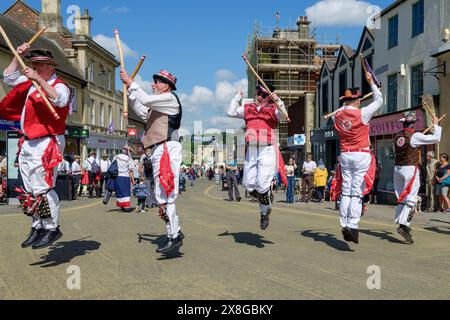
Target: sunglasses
{"type": "Point", "coordinates": [262, 95]}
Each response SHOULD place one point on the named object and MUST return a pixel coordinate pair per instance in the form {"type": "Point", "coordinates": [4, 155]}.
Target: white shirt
{"type": "Point", "coordinates": [309, 167]}
{"type": "Point", "coordinates": [76, 168]}
{"type": "Point", "coordinates": [142, 102]}
{"type": "Point", "coordinates": [420, 139]}
{"type": "Point", "coordinates": [238, 111]}
{"type": "Point", "coordinates": [13, 79]}
{"type": "Point", "coordinates": [125, 164]}
{"type": "Point", "coordinates": [368, 112]}
{"type": "Point", "coordinates": [87, 164]}
{"type": "Point", "coordinates": [64, 166]}
{"type": "Point", "coordinates": [104, 165]}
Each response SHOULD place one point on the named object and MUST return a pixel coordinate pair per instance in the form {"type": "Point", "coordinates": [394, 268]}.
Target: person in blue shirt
{"type": "Point", "coordinates": [141, 193]}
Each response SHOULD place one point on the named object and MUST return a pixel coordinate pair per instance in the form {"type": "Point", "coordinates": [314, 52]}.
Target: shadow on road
{"type": "Point", "coordinates": [159, 241]}
{"type": "Point", "coordinates": [382, 235]}
{"type": "Point", "coordinates": [64, 252]}
{"type": "Point", "coordinates": [249, 238]}
{"type": "Point", "coordinates": [329, 239]}
{"type": "Point", "coordinates": [436, 220]}
{"type": "Point", "coordinates": [441, 230]}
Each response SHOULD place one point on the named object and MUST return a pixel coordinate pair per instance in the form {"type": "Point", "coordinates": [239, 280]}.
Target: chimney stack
{"type": "Point", "coordinates": [83, 24]}
{"type": "Point", "coordinates": [303, 27]}
{"type": "Point", "coordinates": [51, 16]}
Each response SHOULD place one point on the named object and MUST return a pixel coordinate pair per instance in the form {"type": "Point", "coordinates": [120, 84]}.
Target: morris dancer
{"type": "Point", "coordinates": [352, 125]}
{"type": "Point", "coordinates": [43, 141]}
{"type": "Point", "coordinates": [163, 113]}
{"type": "Point", "coordinates": [262, 154]}
{"type": "Point", "coordinates": [407, 171]}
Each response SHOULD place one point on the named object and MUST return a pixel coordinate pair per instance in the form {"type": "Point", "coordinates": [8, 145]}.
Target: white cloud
{"type": "Point", "coordinates": [224, 74]}
{"type": "Point", "coordinates": [339, 13]}
{"type": "Point", "coordinates": [111, 10]}
{"type": "Point", "coordinates": [109, 43]}
{"type": "Point", "coordinates": [224, 123]}
{"type": "Point", "coordinates": [144, 84]}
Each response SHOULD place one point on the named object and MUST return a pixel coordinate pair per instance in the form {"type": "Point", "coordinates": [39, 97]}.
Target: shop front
{"type": "Point", "coordinates": [325, 146]}
{"type": "Point", "coordinates": [382, 132]}
{"type": "Point", "coordinates": [73, 142]}
{"type": "Point", "coordinates": [103, 144]}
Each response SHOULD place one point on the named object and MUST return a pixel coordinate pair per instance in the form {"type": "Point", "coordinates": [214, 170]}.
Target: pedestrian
{"type": "Point", "coordinates": [43, 141]}
{"type": "Point", "coordinates": [431, 167]}
{"type": "Point", "coordinates": [92, 168]}
{"type": "Point", "coordinates": [406, 172]}
{"type": "Point", "coordinates": [147, 172]}
{"type": "Point", "coordinates": [124, 179]}
{"type": "Point", "coordinates": [104, 163]}
{"type": "Point", "coordinates": [232, 182]}
{"type": "Point", "coordinates": [290, 171]}
{"type": "Point", "coordinates": [261, 118]}
{"type": "Point", "coordinates": [320, 180]}
{"type": "Point", "coordinates": [308, 169]}
{"type": "Point", "coordinates": [443, 183]}
{"type": "Point", "coordinates": [163, 113]}
{"type": "Point", "coordinates": [76, 176]}
{"type": "Point", "coordinates": [352, 125]}
{"type": "Point", "coordinates": [141, 193]}
{"type": "Point", "coordinates": [63, 167]}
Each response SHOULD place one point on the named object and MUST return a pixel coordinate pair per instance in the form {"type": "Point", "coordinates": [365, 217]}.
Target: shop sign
{"type": "Point", "coordinates": [390, 124]}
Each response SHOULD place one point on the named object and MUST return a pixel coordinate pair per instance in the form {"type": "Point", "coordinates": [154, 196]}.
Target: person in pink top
{"type": "Point", "coordinates": [352, 124]}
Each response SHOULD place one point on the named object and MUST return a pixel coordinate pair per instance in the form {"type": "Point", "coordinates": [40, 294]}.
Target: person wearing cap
{"type": "Point", "coordinates": [407, 169]}
{"type": "Point", "coordinates": [352, 124]}
{"type": "Point", "coordinates": [43, 139]}
{"type": "Point", "coordinates": [261, 118]}
{"type": "Point", "coordinates": [76, 174]}
{"type": "Point", "coordinates": [105, 163]}
{"type": "Point", "coordinates": [162, 112]}
{"type": "Point", "coordinates": [92, 167]}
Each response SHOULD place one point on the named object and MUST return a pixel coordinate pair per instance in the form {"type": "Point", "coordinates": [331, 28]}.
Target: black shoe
{"type": "Point", "coordinates": [238, 199]}
{"type": "Point", "coordinates": [353, 235]}
{"type": "Point", "coordinates": [265, 222]}
{"type": "Point", "coordinates": [48, 239]}
{"type": "Point", "coordinates": [34, 236]}
{"type": "Point", "coordinates": [171, 245]}
{"type": "Point", "coordinates": [181, 235]}
{"type": "Point", "coordinates": [405, 232]}
{"type": "Point", "coordinates": [345, 233]}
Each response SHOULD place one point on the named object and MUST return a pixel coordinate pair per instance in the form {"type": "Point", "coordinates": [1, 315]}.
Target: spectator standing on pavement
{"type": "Point", "coordinates": [290, 172]}
{"type": "Point", "coordinates": [93, 169]}
{"type": "Point", "coordinates": [232, 182]}
{"type": "Point", "coordinates": [442, 183]}
{"type": "Point", "coordinates": [141, 193]}
{"type": "Point", "coordinates": [320, 180]}
{"type": "Point", "coordinates": [76, 177]}
{"type": "Point", "coordinates": [308, 169]}
{"type": "Point", "coordinates": [431, 168]}
{"type": "Point", "coordinates": [105, 163]}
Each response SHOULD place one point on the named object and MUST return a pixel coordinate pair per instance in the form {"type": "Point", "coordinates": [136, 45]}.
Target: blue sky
{"type": "Point", "coordinates": [195, 39]}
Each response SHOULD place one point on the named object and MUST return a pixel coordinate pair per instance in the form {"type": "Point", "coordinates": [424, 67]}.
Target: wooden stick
{"type": "Point", "coordinates": [22, 64]}
{"type": "Point", "coordinates": [425, 104]}
{"type": "Point", "coordinates": [37, 35]}
{"type": "Point", "coordinates": [283, 112]}
{"type": "Point", "coordinates": [367, 96]}
{"type": "Point", "coordinates": [138, 67]}
{"type": "Point", "coordinates": [440, 119]}
{"type": "Point", "coordinates": [363, 63]}
{"type": "Point", "coordinates": [122, 66]}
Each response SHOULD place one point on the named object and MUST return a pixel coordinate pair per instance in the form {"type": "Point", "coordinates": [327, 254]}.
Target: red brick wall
{"type": "Point", "coordinates": [297, 116]}
{"type": "Point", "coordinates": [23, 15]}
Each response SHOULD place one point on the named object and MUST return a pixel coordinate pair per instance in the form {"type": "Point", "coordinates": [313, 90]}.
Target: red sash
{"type": "Point", "coordinates": [166, 176]}
{"type": "Point", "coordinates": [282, 168]}
{"type": "Point", "coordinates": [408, 188]}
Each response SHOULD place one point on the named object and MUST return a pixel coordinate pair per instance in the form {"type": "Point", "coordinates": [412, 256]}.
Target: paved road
{"type": "Point", "coordinates": [225, 255]}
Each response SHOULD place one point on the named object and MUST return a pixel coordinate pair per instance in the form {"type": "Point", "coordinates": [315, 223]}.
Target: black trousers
{"type": "Point", "coordinates": [232, 186]}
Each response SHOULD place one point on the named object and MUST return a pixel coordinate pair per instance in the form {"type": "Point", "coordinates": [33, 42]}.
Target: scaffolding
{"type": "Point", "coordinates": [290, 60]}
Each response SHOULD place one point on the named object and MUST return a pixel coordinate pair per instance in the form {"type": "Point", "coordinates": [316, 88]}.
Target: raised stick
{"type": "Point", "coordinates": [283, 112]}
{"type": "Point", "coordinates": [37, 35]}
{"type": "Point", "coordinates": [22, 64]}
{"type": "Point", "coordinates": [363, 63]}
{"type": "Point", "coordinates": [367, 96]}
{"type": "Point", "coordinates": [425, 104]}
{"type": "Point", "coordinates": [440, 119]}
{"type": "Point", "coordinates": [122, 66]}
{"type": "Point", "coordinates": [138, 67]}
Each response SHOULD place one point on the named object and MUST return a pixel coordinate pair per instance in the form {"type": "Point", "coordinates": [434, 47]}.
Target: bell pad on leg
{"type": "Point", "coordinates": [163, 213]}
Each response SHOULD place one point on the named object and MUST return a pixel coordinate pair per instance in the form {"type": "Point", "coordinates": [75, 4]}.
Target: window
{"type": "Point", "coordinates": [92, 113]}
{"type": "Point", "coordinates": [342, 82]}
{"type": "Point", "coordinates": [416, 85]}
{"type": "Point", "coordinates": [365, 85]}
{"type": "Point", "coordinates": [110, 116]}
{"type": "Point", "coordinates": [91, 72]}
{"type": "Point", "coordinates": [73, 99]}
{"type": "Point", "coordinates": [109, 80]}
{"type": "Point", "coordinates": [417, 18]}
{"type": "Point", "coordinates": [325, 98]}
{"type": "Point", "coordinates": [120, 120]}
{"type": "Point", "coordinates": [392, 93]}
{"type": "Point", "coordinates": [393, 32]}
{"type": "Point", "coordinates": [102, 115]}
